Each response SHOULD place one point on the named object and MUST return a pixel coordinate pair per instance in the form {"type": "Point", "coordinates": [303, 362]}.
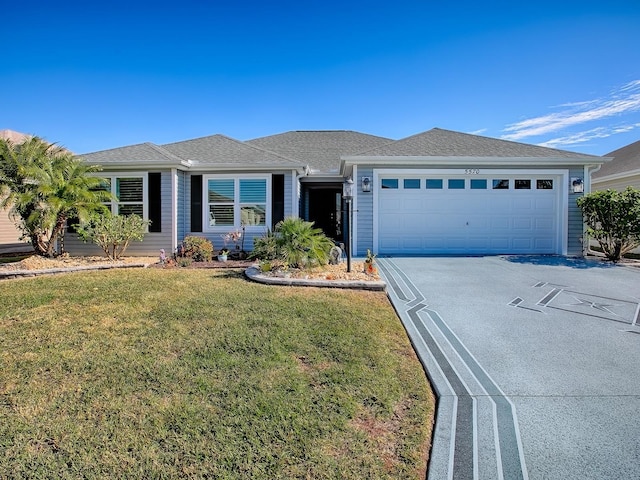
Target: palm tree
{"type": "Point", "coordinates": [45, 185]}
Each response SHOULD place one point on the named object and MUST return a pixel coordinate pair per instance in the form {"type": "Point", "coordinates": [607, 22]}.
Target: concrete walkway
{"type": "Point", "coordinates": [535, 361]}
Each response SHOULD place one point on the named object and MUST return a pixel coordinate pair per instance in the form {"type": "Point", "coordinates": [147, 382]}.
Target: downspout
{"type": "Point", "coordinates": [586, 243]}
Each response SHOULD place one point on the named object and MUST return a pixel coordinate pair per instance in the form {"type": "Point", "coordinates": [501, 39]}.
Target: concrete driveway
{"type": "Point", "coordinates": [535, 360]}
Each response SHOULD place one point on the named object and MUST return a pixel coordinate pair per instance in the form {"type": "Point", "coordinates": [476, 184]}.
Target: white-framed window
{"type": "Point", "coordinates": [234, 201]}
{"type": "Point", "coordinates": [129, 191]}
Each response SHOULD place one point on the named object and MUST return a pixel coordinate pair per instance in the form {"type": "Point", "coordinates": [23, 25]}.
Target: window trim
{"type": "Point", "coordinates": [237, 204]}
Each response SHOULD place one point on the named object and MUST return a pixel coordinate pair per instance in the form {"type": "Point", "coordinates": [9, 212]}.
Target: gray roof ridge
{"type": "Point", "coordinates": [363, 152]}
{"type": "Point", "coordinates": [505, 141]}
{"type": "Point", "coordinates": [629, 146]}
{"type": "Point", "coordinates": [264, 150]}
{"type": "Point", "coordinates": [240, 142]}
{"type": "Point", "coordinates": [164, 152]}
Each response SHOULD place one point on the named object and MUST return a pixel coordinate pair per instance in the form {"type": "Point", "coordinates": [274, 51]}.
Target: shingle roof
{"type": "Point", "coordinates": [446, 143]}
{"type": "Point", "coordinates": [134, 154]}
{"type": "Point", "coordinates": [222, 150]}
{"type": "Point", "coordinates": [625, 159]}
{"type": "Point", "coordinates": [321, 150]}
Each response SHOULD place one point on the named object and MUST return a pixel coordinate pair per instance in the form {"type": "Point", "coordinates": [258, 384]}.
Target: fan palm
{"type": "Point", "coordinates": [44, 186]}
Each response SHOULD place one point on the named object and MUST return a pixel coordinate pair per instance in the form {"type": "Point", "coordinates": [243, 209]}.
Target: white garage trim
{"type": "Point", "coordinates": [560, 176]}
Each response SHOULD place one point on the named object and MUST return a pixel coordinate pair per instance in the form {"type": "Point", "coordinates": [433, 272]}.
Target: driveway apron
{"type": "Point", "coordinates": [535, 362]}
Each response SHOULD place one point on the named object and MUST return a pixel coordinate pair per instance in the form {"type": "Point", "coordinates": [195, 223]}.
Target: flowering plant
{"type": "Point", "coordinates": [234, 236]}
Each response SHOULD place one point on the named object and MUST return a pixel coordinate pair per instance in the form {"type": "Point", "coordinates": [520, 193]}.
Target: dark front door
{"type": "Point", "coordinates": [324, 208]}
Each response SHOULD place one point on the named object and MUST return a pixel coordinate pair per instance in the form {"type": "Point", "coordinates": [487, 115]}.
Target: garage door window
{"type": "Point", "coordinates": [389, 183]}
{"type": "Point", "coordinates": [478, 184]}
{"type": "Point", "coordinates": [523, 184]}
{"type": "Point", "coordinates": [434, 183]}
{"type": "Point", "coordinates": [544, 184]}
{"type": "Point", "coordinates": [456, 184]}
{"type": "Point", "coordinates": [500, 184]}
{"type": "Point", "coordinates": [411, 183]}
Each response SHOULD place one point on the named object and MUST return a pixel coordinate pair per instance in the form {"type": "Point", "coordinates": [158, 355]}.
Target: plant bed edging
{"type": "Point", "coordinates": [253, 273]}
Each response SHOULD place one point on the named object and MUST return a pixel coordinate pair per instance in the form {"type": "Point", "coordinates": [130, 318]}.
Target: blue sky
{"type": "Point", "coordinates": [99, 75]}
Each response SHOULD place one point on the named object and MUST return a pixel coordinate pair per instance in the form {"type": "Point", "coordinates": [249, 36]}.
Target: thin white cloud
{"type": "Point", "coordinates": [588, 135]}
{"type": "Point", "coordinates": [625, 99]}
{"type": "Point", "coordinates": [478, 132]}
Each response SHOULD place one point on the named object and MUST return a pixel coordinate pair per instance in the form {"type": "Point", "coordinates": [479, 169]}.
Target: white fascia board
{"type": "Point", "coordinates": [322, 179]}
{"type": "Point", "coordinates": [140, 165]}
{"type": "Point", "coordinates": [231, 167]}
{"type": "Point", "coordinates": [528, 162]}
{"type": "Point", "coordinates": [616, 176]}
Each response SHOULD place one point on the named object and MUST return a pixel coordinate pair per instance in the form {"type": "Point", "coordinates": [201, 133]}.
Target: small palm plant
{"type": "Point", "coordinates": [301, 245]}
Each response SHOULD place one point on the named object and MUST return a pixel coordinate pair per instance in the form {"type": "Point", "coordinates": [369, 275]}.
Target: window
{"type": "Point", "coordinates": [544, 184]}
{"type": "Point", "coordinates": [411, 183]}
{"type": "Point", "coordinates": [501, 184]}
{"type": "Point", "coordinates": [522, 184]}
{"type": "Point", "coordinates": [129, 192]}
{"type": "Point", "coordinates": [455, 184]}
{"type": "Point", "coordinates": [389, 183]}
{"type": "Point", "coordinates": [236, 202]}
{"type": "Point", "coordinates": [478, 184]}
{"type": "Point", "coordinates": [221, 201]}
{"type": "Point", "coordinates": [433, 183]}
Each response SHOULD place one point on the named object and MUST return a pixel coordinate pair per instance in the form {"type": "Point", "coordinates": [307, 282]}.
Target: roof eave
{"type": "Point", "coordinates": [141, 165]}
{"type": "Point", "coordinates": [615, 176]}
{"type": "Point", "coordinates": [469, 160]}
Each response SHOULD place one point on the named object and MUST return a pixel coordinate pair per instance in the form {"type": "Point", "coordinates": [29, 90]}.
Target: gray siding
{"type": "Point", "coordinates": [619, 184]}
{"type": "Point", "coordinates": [289, 180]}
{"type": "Point", "coordinates": [183, 205]}
{"type": "Point", "coordinates": [576, 227]}
{"type": "Point", "coordinates": [364, 214]}
{"type": "Point", "coordinates": [152, 242]}
{"type": "Point", "coordinates": [215, 237]}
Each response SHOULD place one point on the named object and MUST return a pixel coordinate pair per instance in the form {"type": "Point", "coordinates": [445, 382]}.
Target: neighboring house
{"type": "Point", "coordinates": [9, 232]}
{"type": "Point", "coordinates": [622, 172]}
{"type": "Point", "coordinates": [438, 192]}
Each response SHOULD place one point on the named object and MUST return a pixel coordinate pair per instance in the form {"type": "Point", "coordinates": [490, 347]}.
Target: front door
{"type": "Point", "coordinates": [324, 208]}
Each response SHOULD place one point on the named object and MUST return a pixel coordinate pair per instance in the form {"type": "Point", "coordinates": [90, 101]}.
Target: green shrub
{"type": "Point", "coordinates": [198, 248]}
{"type": "Point", "coordinates": [301, 245]}
{"type": "Point", "coordinates": [113, 233]}
{"type": "Point", "coordinates": [613, 219]}
{"type": "Point", "coordinates": [266, 247]}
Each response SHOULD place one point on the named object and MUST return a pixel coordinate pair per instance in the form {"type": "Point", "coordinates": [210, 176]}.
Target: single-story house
{"type": "Point", "coordinates": [437, 192]}
{"type": "Point", "coordinates": [622, 172]}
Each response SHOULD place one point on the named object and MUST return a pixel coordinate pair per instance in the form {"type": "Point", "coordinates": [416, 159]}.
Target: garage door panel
{"type": "Point", "coordinates": [523, 223]}
{"type": "Point", "coordinates": [443, 221]}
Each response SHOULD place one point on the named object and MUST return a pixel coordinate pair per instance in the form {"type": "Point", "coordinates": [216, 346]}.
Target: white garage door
{"type": "Point", "coordinates": [440, 214]}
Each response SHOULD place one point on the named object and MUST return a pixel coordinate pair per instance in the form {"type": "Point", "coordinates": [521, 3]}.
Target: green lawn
{"type": "Point", "coordinates": [200, 374]}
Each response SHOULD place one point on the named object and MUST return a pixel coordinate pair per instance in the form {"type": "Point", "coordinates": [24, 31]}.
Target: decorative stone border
{"type": "Point", "coordinates": [253, 273]}
{"type": "Point", "coordinates": [10, 274]}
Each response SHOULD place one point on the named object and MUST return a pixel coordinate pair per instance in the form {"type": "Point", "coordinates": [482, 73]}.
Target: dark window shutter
{"type": "Point", "coordinates": [155, 202]}
{"type": "Point", "coordinates": [196, 203]}
{"type": "Point", "coordinates": [277, 199]}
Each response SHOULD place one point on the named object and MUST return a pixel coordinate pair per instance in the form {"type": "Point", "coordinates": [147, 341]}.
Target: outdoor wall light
{"type": "Point", "coordinates": [577, 185]}
{"type": "Point", "coordinates": [366, 184]}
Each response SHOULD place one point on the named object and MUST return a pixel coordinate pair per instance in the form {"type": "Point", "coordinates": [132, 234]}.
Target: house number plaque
{"type": "Point", "coordinates": [472, 171]}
